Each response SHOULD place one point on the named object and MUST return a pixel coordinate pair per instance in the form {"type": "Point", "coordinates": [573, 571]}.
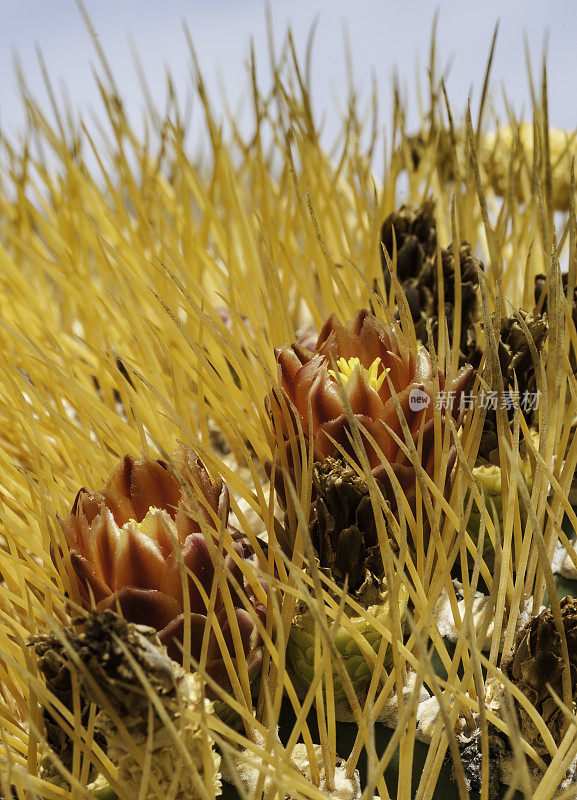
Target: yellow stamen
{"type": "Point", "coordinates": [147, 526]}
{"type": "Point", "coordinates": [346, 369]}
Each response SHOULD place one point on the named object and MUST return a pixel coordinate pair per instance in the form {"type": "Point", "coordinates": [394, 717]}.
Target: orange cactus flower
{"type": "Point", "coordinates": [128, 540]}
{"type": "Point", "coordinates": [371, 357]}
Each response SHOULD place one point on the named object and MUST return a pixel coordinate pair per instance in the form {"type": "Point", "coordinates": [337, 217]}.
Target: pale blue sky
{"type": "Point", "coordinates": [384, 35]}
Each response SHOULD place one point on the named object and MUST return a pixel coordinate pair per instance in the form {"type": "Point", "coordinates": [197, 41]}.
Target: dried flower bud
{"type": "Point", "coordinates": [58, 677]}
{"type": "Point", "coordinates": [542, 306]}
{"type": "Point", "coordinates": [415, 234]}
{"type": "Point", "coordinates": [470, 266]}
{"type": "Point", "coordinates": [416, 237]}
{"type": "Point", "coordinates": [516, 362]}
{"type": "Point", "coordinates": [536, 662]}
{"type": "Point", "coordinates": [113, 654]}
{"type": "Point", "coordinates": [343, 530]}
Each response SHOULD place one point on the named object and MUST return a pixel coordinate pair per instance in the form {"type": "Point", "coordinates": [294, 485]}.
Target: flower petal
{"type": "Point", "coordinates": [212, 499]}
{"type": "Point", "coordinates": [289, 363]}
{"type": "Point", "coordinates": [247, 629]}
{"type": "Point", "coordinates": [459, 385]}
{"type": "Point", "coordinates": [362, 398]}
{"type": "Point", "coordinates": [104, 535]}
{"type": "Point", "coordinates": [405, 475]}
{"type": "Point", "coordinates": [366, 338]}
{"type": "Point", "coordinates": [423, 367]}
{"type": "Point", "coordinates": [88, 504]}
{"type": "Point", "coordinates": [305, 380]}
{"type": "Point", "coordinates": [139, 561]}
{"type": "Point", "coordinates": [172, 636]}
{"type": "Point", "coordinates": [86, 573]}
{"type": "Point", "coordinates": [151, 484]}
{"type": "Point", "coordinates": [143, 606]}
{"type": "Point", "coordinates": [326, 402]}
{"type": "Point", "coordinates": [76, 526]}
{"type": "Point", "coordinates": [159, 526]}
{"type": "Point", "coordinates": [196, 557]}
{"type": "Point", "coordinates": [339, 431]}
{"type": "Point", "coordinates": [117, 492]}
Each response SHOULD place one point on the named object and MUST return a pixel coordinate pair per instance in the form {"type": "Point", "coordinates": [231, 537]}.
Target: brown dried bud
{"type": "Point", "coordinates": [516, 362]}
{"type": "Point", "coordinates": [415, 233]}
{"type": "Point", "coordinates": [416, 237]}
{"type": "Point", "coordinates": [58, 677]}
{"type": "Point", "coordinates": [114, 653]}
{"type": "Point", "coordinates": [536, 662]}
{"type": "Point", "coordinates": [541, 305]}
{"type": "Point", "coordinates": [343, 529]}
{"type": "Point", "coordinates": [470, 266]}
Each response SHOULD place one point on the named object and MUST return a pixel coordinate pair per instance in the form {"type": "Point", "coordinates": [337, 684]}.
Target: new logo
{"type": "Point", "coordinates": [418, 400]}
